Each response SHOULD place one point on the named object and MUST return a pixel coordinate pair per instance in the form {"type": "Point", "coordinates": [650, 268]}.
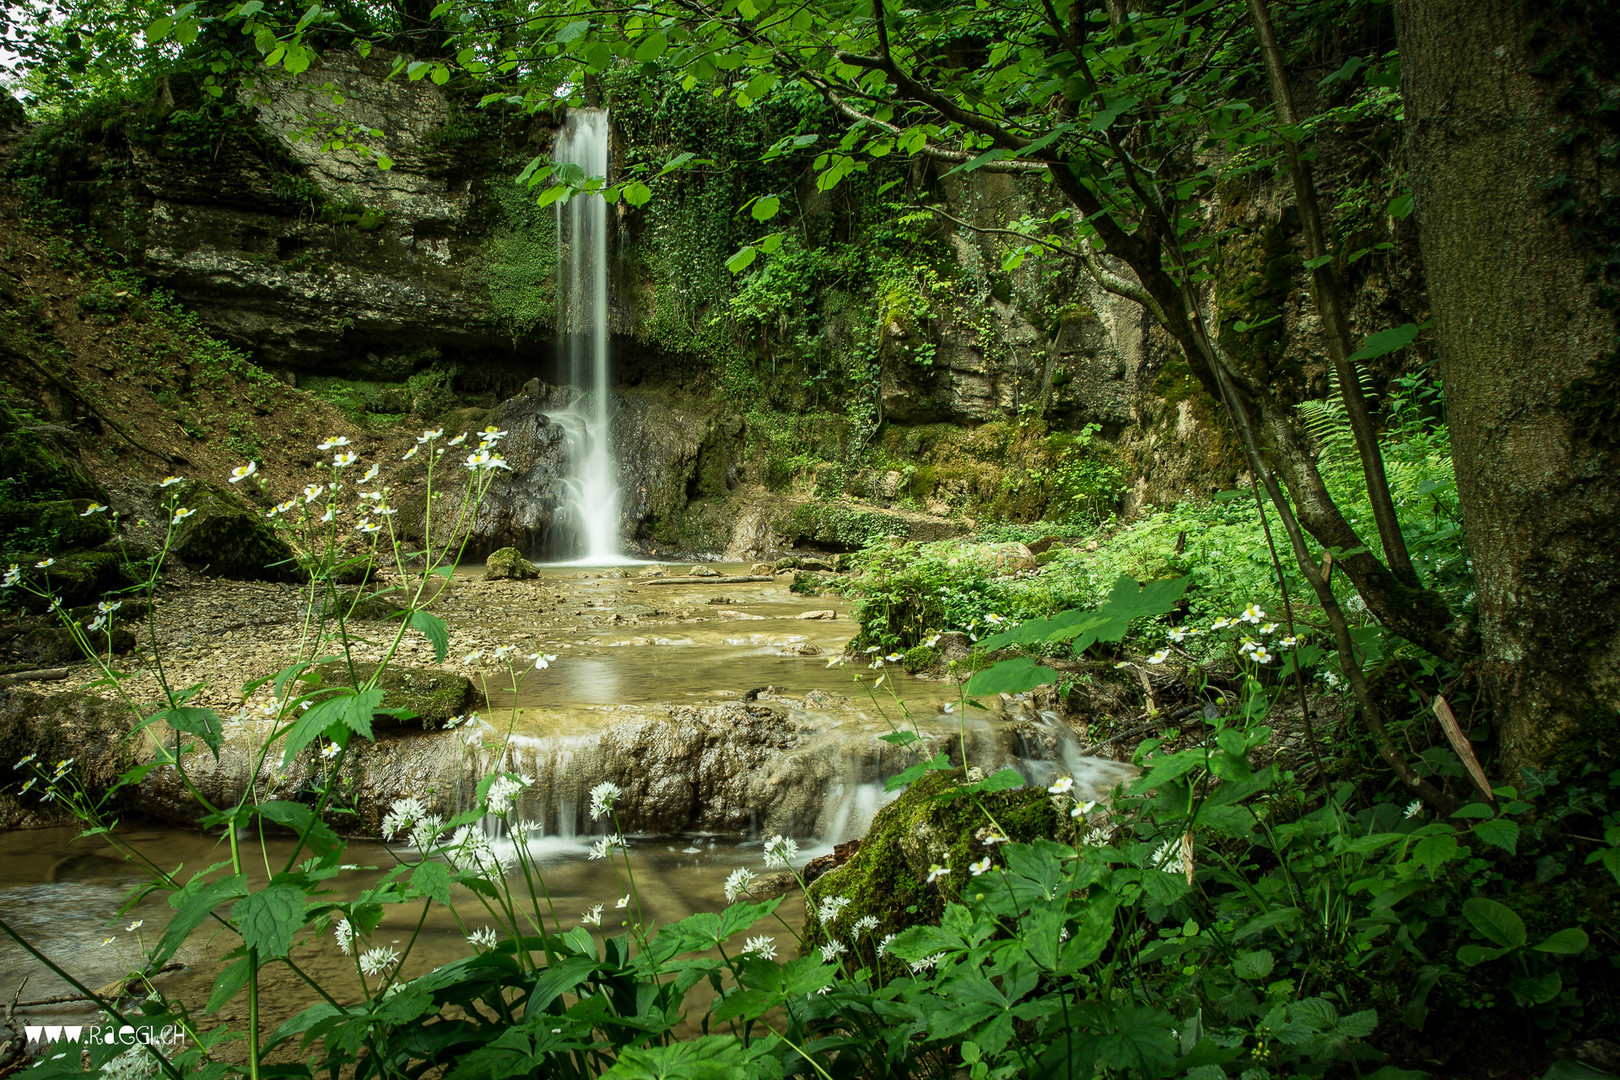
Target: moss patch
{"type": "Point", "coordinates": [226, 537]}
{"type": "Point", "coordinates": [432, 694]}
{"type": "Point", "coordinates": [888, 877]}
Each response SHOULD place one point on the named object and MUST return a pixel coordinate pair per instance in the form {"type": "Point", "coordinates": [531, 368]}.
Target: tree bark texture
{"type": "Point", "coordinates": [1518, 325]}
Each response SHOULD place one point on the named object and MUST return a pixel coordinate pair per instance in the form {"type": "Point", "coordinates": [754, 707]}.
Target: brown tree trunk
{"type": "Point", "coordinates": [1519, 330]}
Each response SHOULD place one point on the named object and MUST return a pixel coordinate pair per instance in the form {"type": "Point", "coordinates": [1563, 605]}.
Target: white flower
{"type": "Point", "coordinates": [330, 515]}
{"type": "Point", "coordinates": [13, 575]}
{"type": "Point", "coordinates": [1248, 646]}
{"type": "Point", "coordinates": [827, 911]}
{"type": "Point", "coordinates": [402, 814]}
{"type": "Point", "coordinates": [737, 883]}
{"type": "Point", "coordinates": [1252, 614]}
{"type": "Point", "coordinates": [429, 436]}
{"type": "Point", "coordinates": [312, 492]}
{"type": "Point", "coordinates": [979, 867]}
{"type": "Point", "coordinates": [344, 460]}
{"type": "Point", "coordinates": [106, 608]}
{"type": "Point", "coordinates": [97, 623]}
{"type": "Point", "coordinates": [1061, 786]}
{"type": "Point", "coordinates": [883, 946]}
{"type": "Point", "coordinates": [1413, 808]}
{"type": "Point", "coordinates": [345, 937]}
{"type": "Point", "coordinates": [542, 660]}
{"type": "Point", "coordinates": [483, 459]}
{"type": "Point", "coordinates": [501, 795]}
{"type": "Point", "coordinates": [936, 871]}
{"type": "Point", "coordinates": [426, 832]}
{"type": "Point", "coordinates": [1261, 656]}
{"type": "Point", "coordinates": [781, 851]}
{"type": "Point", "coordinates": [831, 950]}
{"type": "Point", "coordinates": [371, 474]}
{"type": "Point", "coordinates": [992, 618]}
{"type": "Point", "coordinates": [602, 796]}
{"type": "Point", "coordinates": [93, 508]}
{"type": "Point", "coordinates": [134, 926]}
{"type": "Point", "coordinates": [242, 472]}
{"type": "Point", "coordinates": [864, 925]}
{"type": "Point", "coordinates": [407, 455]}
{"type": "Point", "coordinates": [623, 901]}
{"type": "Point", "coordinates": [1082, 809]}
{"type": "Point", "coordinates": [1222, 624]}
{"type": "Point", "coordinates": [1288, 642]}
{"type": "Point", "coordinates": [1269, 628]}
{"type": "Point", "coordinates": [1159, 657]}
{"type": "Point", "coordinates": [378, 961]}
{"type": "Point", "coordinates": [482, 939]}
{"type": "Point", "coordinates": [458, 440]}
{"type": "Point", "coordinates": [592, 917]}
{"type": "Point", "coordinates": [331, 441]}
{"type": "Point", "coordinates": [920, 966]}
{"type": "Point", "coordinates": [330, 751]}
{"type": "Point", "coordinates": [996, 837]}
{"type": "Point", "coordinates": [761, 946]}
{"type": "Point", "coordinates": [45, 563]}
{"type": "Point", "coordinates": [1176, 634]}
{"type": "Point", "coordinates": [601, 847]}
{"type": "Point", "coordinates": [521, 830]}
{"type": "Point", "coordinates": [170, 481]}
{"type": "Point", "coordinates": [503, 651]}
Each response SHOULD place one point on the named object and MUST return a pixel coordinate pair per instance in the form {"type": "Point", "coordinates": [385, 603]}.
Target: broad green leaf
{"type": "Point", "coordinates": [204, 723]}
{"type": "Point", "coordinates": [384, 162]}
{"type": "Point", "coordinates": [637, 194]}
{"type": "Point", "coordinates": [1011, 677]}
{"type": "Point", "coordinates": [937, 762]}
{"type": "Point", "coordinates": [1433, 852]}
{"type": "Point", "coordinates": [269, 918]}
{"type": "Point", "coordinates": [1499, 832]}
{"type": "Point", "coordinates": [572, 31]}
{"type": "Point", "coordinates": [1474, 955]}
{"type": "Point", "coordinates": [432, 879]}
{"type": "Point", "coordinates": [434, 629]}
{"type": "Point", "coordinates": [742, 260]}
{"type": "Point", "coordinates": [765, 208]}
{"type": "Point", "coordinates": [1571, 941]}
{"type": "Point", "coordinates": [1385, 342]}
{"type": "Point", "coordinates": [192, 905]}
{"type": "Point", "coordinates": [707, 1057]}
{"type": "Point", "coordinates": [227, 984]}
{"type": "Point", "coordinates": [652, 47]}
{"type": "Point", "coordinates": [1496, 922]}
{"type": "Point", "coordinates": [301, 819]}
{"type": "Point", "coordinates": [1254, 965]}
{"type": "Point", "coordinates": [348, 710]}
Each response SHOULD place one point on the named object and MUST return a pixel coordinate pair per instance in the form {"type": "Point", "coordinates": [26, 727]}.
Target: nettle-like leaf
{"type": "Point", "coordinates": [349, 711]}
{"type": "Point", "coordinates": [269, 918]}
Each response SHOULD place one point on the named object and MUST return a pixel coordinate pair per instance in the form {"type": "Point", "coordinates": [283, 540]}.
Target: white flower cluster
{"type": "Point", "coordinates": [780, 851]}
{"type": "Point", "coordinates": [503, 793]}
{"type": "Point", "coordinates": [602, 798]}
{"type": "Point", "coordinates": [738, 883]}
{"type": "Point", "coordinates": [761, 946]}
{"type": "Point", "coordinates": [827, 911]}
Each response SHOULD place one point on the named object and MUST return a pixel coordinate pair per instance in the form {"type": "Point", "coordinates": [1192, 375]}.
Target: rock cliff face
{"type": "Point", "coordinates": [314, 258]}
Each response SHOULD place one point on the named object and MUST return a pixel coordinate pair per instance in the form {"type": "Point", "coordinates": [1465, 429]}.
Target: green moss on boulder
{"type": "Point", "coordinates": [93, 731]}
{"type": "Point", "coordinates": [508, 564]}
{"type": "Point", "coordinates": [227, 537]}
{"type": "Point", "coordinates": [888, 877]}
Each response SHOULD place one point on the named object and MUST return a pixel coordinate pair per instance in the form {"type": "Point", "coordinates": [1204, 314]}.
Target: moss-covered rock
{"type": "Point", "coordinates": [225, 536]}
{"type": "Point", "coordinates": [362, 604]}
{"type": "Point", "coordinates": [92, 731]}
{"type": "Point", "coordinates": [508, 564]}
{"type": "Point", "coordinates": [432, 694]}
{"type": "Point", "coordinates": [74, 578]}
{"type": "Point", "coordinates": [51, 526]}
{"type": "Point", "coordinates": [888, 877]}
{"type": "Point", "coordinates": [36, 641]}
{"type": "Point", "coordinates": [836, 526]}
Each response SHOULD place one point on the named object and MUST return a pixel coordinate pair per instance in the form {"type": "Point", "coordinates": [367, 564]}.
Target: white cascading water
{"type": "Point", "coordinates": [582, 324]}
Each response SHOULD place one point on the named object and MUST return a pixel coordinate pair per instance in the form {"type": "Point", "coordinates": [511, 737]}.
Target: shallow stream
{"type": "Point", "coordinates": [628, 648]}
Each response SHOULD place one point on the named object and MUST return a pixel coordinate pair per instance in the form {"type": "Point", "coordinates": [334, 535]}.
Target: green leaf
{"type": "Point", "coordinates": [1572, 1070]}
{"type": "Point", "coordinates": [1011, 677]}
{"type": "Point", "coordinates": [1320, 260]}
{"type": "Point", "coordinates": [301, 819]}
{"type": "Point", "coordinates": [707, 1057]}
{"type": "Point", "coordinates": [1433, 852]}
{"type": "Point", "coordinates": [765, 208]}
{"type": "Point", "coordinates": [434, 629]}
{"type": "Point", "coordinates": [192, 905]}
{"type": "Point", "coordinates": [1496, 922]}
{"type": "Point", "coordinates": [441, 75]}
{"type": "Point", "coordinates": [1254, 965]}
{"type": "Point", "coordinates": [652, 47]}
{"type": "Point", "coordinates": [430, 879]}
{"type": "Point", "coordinates": [937, 762]}
{"type": "Point", "coordinates": [349, 709]}
{"type": "Point", "coordinates": [1474, 955]}
{"type": "Point", "coordinates": [1400, 207]}
{"type": "Point", "coordinates": [159, 28]}
{"type": "Point", "coordinates": [384, 162]}
{"type": "Point", "coordinates": [742, 260]}
{"type": "Point", "coordinates": [227, 984]}
{"type": "Point", "coordinates": [269, 918]}
{"type": "Point", "coordinates": [1499, 833]}
{"type": "Point", "coordinates": [1385, 342]}
{"type": "Point", "coordinates": [637, 194]}
{"type": "Point", "coordinates": [1536, 989]}
{"type": "Point", "coordinates": [1571, 941]}
{"type": "Point", "coordinates": [204, 723]}
{"type": "Point", "coordinates": [573, 31]}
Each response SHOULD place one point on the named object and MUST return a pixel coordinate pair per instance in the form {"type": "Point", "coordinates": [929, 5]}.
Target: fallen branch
{"type": "Point", "coordinates": [724, 579]}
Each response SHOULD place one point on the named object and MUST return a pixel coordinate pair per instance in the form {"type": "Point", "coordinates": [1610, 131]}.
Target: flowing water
{"type": "Point", "coordinates": [647, 679]}
{"type": "Point", "coordinates": [589, 526]}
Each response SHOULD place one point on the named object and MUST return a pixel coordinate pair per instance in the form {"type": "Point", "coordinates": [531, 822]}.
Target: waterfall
{"type": "Point", "coordinates": [591, 511]}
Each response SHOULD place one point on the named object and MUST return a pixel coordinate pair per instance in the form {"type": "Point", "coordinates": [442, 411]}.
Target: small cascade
{"type": "Point", "coordinates": [590, 514]}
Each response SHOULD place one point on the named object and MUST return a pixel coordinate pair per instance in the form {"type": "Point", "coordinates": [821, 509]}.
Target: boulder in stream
{"type": "Point", "coordinates": [508, 564]}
